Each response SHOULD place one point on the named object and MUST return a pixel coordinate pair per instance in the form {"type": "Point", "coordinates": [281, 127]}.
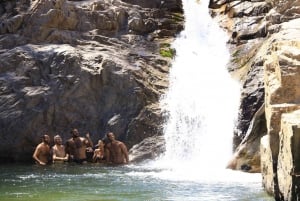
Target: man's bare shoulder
{"type": "Point", "coordinates": [71, 140]}
{"type": "Point", "coordinates": [121, 143]}
{"type": "Point", "coordinates": [55, 147]}
{"type": "Point", "coordinates": [39, 146]}
{"type": "Point", "coordinates": [42, 145]}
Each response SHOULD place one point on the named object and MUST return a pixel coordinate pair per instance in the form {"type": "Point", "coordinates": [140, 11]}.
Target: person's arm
{"type": "Point", "coordinates": [67, 150]}
{"type": "Point", "coordinates": [56, 158]}
{"type": "Point", "coordinates": [94, 157]}
{"type": "Point", "coordinates": [125, 152]}
{"type": "Point", "coordinates": [101, 152]}
{"type": "Point", "coordinates": [96, 154]}
{"type": "Point", "coordinates": [36, 154]}
{"type": "Point", "coordinates": [67, 147]}
{"type": "Point", "coordinates": [66, 158]}
{"type": "Point", "coordinates": [88, 142]}
{"type": "Point", "coordinates": [107, 154]}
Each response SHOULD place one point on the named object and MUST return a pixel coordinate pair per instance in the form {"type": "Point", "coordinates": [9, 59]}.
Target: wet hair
{"type": "Point", "coordinates": [44, 137]}
{"type": "Point", "coordinates": [73, 131]}
{"type": "Point", "coordinates": [107, 136]}
{"type": "Point", "coordinates": [109, 133]}
{"type": "Point", "coordinates": [56, 137]}
{"type": "Point", "coordinates": [99, 141]}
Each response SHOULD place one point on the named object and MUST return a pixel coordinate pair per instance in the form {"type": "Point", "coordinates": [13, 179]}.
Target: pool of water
{"type": "Point", "coordinates": [95, 182]}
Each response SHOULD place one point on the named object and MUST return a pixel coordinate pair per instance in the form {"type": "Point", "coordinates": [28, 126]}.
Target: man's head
{"type": "Point", "coordinates": [111, 136]}
{"type": "Point", "coordinates": [57, 139]}
{"type": "Point", "coordinates": [46, 139]}
{"type": "Point", "coordinates": [75, 133]}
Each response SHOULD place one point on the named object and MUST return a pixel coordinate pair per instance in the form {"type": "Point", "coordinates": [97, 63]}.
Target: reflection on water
{"type": "Point", "coordinates": [93, 182]}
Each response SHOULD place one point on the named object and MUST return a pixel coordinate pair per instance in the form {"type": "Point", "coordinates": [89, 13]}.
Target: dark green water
{"type": "Point", "coordinates": [94, 182]}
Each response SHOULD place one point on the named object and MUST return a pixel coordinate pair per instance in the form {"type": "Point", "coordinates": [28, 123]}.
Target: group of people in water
{"type": "Point", "coordinates": [80, 150]}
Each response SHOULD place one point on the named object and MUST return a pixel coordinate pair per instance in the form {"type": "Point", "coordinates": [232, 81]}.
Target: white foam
{"type": "Point", "coordinates": [202, 101]}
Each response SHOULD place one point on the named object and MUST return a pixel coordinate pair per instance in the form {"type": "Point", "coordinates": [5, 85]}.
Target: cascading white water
{"type": "Point", "coordinates": [202, 100]}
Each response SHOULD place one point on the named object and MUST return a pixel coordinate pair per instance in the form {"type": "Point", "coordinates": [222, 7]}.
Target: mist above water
{"type": "Point", "coordinates": [202, 101]}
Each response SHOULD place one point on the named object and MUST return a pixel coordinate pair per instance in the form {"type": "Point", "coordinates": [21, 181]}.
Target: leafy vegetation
{"type": "Point", "coordinates": [166, 50]}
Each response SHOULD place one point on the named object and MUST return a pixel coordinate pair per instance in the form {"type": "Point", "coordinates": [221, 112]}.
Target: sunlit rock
{"type": "Point", "coordinates": [246, 156]}
{"type": "Point", "coordinates": [264, 56]}
{"type": "Point", "coordinates": [150, 148]}
{"type": "Point", "coordinates": [288, 169]}
{"type": "Point", "coordinates": [267, 165]}
{"type": "Point", "coordinates": [282, 87]}
{"type": "Point", "coordinates": [67, 64]}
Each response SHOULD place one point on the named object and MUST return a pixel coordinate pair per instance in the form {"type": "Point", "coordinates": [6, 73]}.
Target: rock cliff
{"type": "Point", "coordinates": [96, 65]}
{"type": "Point", "coordinates": [265, 57]}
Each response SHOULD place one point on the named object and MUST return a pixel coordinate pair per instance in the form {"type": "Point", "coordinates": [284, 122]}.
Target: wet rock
{"type": "Point", "coordinates": [150, 148]}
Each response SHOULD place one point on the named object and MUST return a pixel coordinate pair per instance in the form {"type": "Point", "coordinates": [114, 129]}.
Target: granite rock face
{"type": "Point", "coordinates": [255, 27]}
{"type": "Point", "coordinates": [246, 24]}
{"type": "Point", "coordinates": [93, 65]}
{"type": "Point", "coordinates": [265, 57]}
{"type": "Point", "coordinates": [282, 86]}
{"type": "Point", "coordinates": [288, 169]}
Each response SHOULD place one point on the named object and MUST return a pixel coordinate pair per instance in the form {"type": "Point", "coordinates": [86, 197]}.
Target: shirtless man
{"type": "Point", "coordinates": [41, 154]}
{"type": "Point", "coordinates": [58, 151]}
{"type": "Point", "coordinates": [77, 146]}
{"type": "Point", "coordinates": [116, 151]}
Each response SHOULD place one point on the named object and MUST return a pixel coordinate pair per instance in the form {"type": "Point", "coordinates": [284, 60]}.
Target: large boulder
{"type": "Point", "coordinates": [148, 149]}
{"type": "Point", "coordinates": [288, 169]}
{"type": "Point", "coordinates": [281, 84]}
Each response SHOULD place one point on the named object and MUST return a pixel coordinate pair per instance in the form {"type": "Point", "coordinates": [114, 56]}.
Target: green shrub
{"type": "Point", "coordinates": [166, 50]}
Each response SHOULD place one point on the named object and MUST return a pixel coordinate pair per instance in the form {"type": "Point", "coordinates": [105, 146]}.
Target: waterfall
{"type": "Point", "coordinates": [202, 100]}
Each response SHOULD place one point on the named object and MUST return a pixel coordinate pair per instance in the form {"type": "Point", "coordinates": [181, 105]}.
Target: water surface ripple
{"type": "Point", "coordinates": [137, 183]}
